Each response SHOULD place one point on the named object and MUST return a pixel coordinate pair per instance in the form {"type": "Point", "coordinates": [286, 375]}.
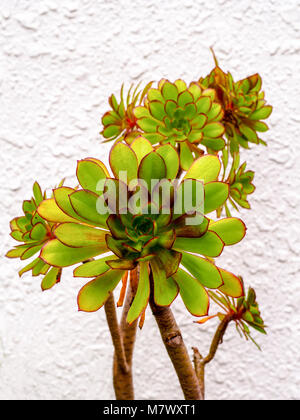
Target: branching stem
{"type": "Point", "coordinates": [200, 361]}
{"type": "Point", "coordinates": [173, 341]}
{"type": "Point", "coordinates": [114, 328]}
{"type": "Point", "coordinates": [123, 381]}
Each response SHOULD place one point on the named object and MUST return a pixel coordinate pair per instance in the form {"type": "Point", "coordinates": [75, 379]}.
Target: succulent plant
{"type": "Point", "coordinates": [243, 106]}
{"type": "Point", "coordinates": [182, 116]}
{"type": "Point", "coordinates": [240, 184]}
{"type": "Point", "coordinates": [155, 242]}
{"type": "Point", "coordinates": [33, 232]}
{"type": "Point", "coordinates": [244, 311]}
{"type": "Point", "coordinates": [150, 216]}
{"type": "Point", "coordinates": [120, 122]}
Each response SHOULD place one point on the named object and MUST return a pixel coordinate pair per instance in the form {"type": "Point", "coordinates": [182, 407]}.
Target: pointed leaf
{"type": "Point", "coordinates": [93, 268]}
{"type": "Point", "coordinates": [121, 264]}
{"type": "Point", "coordinates": [213, 129]}
{"type": "Point", "coordinates": [206, 168]}
{"type": "Point", "coordinates": [30, 251]}
{"type": "Point", "coordinates": [170, 156]}
{"type": "Point", "coordinates": [215, 195]}
{"type": "Point", "coordinates": [165, 289]}
{"type": "Point", "coordinates": [209, 245]}
{"type": "Point", "coordinates": [40, 268]}
{"type": "Point", "coordinates": [154, 94]}
{"type": "Point", "coordinates": [141, 147]}
{"type": "Point", "coordinates": [95, 293]}
{"type": "Point", "coordinates": [231, 230]}
{"type": "Point", "coordinates": [152, 167]}
{"type": "Point", "coordinates": [193, 293]}
{"type": "Point", "coordinates": [185, 229]}
{"type": "Point", "coordinates": [17, 251]}
{"type": "Point", "coordinates": [38, 232]}
{"type": "Point", "coordinates": [186, 156]}
{"type": "Point", "coordinates": [122, 158]}
{"type": "Point", "coordinates": [203, 104]}
{"type": "Point", "coordinates": [76, 235]}
{"type": "Point", "coordinates": [51, 278]}
{"type": "Point", "coordinates": [62, 199]}
{"type": "Point", "coordinates": [232, 284]}
{"type": "Point", "coordinates": [59, 255]}
{"type": "Point", "coordinates": [157, 110]}
{"type": "Point", "coordinates": [29, 266]}
{"type": "Point", "coordinates": [262, 113]}
{"type": "Point", "coordinates": [142, 294]}
{"type": "Point", "coordinates": [149, 125]}
{"type": "Point", "coordinates": [170, 260]}
{"type": "Point", "coordinates": [49, 210]}
{"type": "Point", "coordinates": [141, 111]}
{"type": "Point", "coordinates": [85, 204]}
{"type": "Point", "coordinates": [38, 195]}
{"type": "Point", "coordinates": [203, 270]}
{"type": "Point", "coordinates": [170, 91]}
{"type": "Point", "coordinates": [249, 133]}
{"type": "Point", "coordinates": [89, 173]}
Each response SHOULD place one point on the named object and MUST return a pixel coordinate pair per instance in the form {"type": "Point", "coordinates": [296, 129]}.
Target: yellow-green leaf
{"type": "Point", "coordinates": [210, 245]}
{"type": "Point", "coordinates": [165, 289]}
{"type": "Point", "coordinates": [141, 147]}
{"type": "Point", "coordinates": [77, 235]}
{"type": "Point", "coordinates": [95, 293]}
{"type": "Point", "coordinates": [206, 168]}
{"type": "Point", "coordinates": [142, 294]}
{"type": "Point", "coordinates": [231, 230]}
{"type": "Point", "coordinates": [193, 293]}
{"type": "Point", "coordinates": [93, 268]}
{"type": "Point", "coordinates": [59, 255]}
{"type": "Point", "coordinates": [215, 193]}
{"type": "Point", "coordinates": [50, 278]}
{"type": "Point", "coordinates": [89, 173]}
{"type": "Point", "coordinates": [204, 271]}
{"type": "Point", "coordinates": [122, 158]}
{"type": "Point", "coordinates": [170, 156]}
{"type": "Point", "coordinates": [49, 210]}
{"type": "Point", "coordinates": [232, 284]}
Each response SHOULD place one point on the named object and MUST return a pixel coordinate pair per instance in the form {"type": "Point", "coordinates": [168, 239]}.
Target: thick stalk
{"type": "Point", "coordinates": [114, 328]}
{"type": "Point", "coordinates": [200, 371]}
{"type": "Point", "coordinates": [176, 349]}
{"type": "Point", "coordinates": [123, 382]}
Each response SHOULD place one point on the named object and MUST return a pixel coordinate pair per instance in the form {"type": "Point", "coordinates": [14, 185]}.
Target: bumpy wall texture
{"type": "Point", "coordinates": [59, 61]}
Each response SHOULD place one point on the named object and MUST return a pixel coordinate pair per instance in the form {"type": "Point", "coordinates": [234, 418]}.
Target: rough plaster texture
{"type": "Point", "coordinates": [59, 61]}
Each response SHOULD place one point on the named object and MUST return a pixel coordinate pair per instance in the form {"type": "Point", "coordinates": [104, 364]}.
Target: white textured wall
{"type": "Point", "coordinates": [59, 61]}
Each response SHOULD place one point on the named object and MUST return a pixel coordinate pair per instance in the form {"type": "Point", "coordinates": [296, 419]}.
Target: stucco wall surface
{"type": "Point", "coordinates": [59, 61]}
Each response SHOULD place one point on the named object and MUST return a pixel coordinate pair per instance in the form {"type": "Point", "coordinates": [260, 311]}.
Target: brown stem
{"type": "Point", "coordinates": [218, 338]}
{"type": "Point", "coordinates": [176, 349]}
{"type": "Point", "coordinates": [123, 383]}
{"type": "Point", "coordinates": [200, 370]}
{"type": "Point", "coordinates": [117, 339]}
{"type": "Point", "coordinates": [200, 362]}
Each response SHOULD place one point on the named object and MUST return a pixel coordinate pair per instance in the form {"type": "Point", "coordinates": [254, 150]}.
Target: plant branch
{"type": "Point", "coordinates": [200, 370]}
{"type": "Point", "coordinates": [200, 361]}
{"type": "Point", "coordinates": [114, 328]}
{"type": "Point", "coordinates": [176, 349]}
{"type": "Point", "coordinates": [123, 381]}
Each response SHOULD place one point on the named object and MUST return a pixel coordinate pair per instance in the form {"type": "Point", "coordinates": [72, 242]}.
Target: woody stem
{"type": "Point", "coordinates": [114, 328]}
{"type": "Point", "coordinates": [173, 341]}
{"type": "Point", "coordinates": [122, 380]}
